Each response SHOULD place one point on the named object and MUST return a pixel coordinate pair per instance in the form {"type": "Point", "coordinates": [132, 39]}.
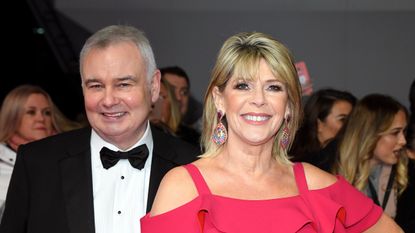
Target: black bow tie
{"type": "Point", "coordinates": [137, 156]}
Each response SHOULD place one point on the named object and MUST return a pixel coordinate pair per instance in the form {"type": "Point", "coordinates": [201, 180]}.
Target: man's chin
{"type": "Point", "coordinates": [111, 133]}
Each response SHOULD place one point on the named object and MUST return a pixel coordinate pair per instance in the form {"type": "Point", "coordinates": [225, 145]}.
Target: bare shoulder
{"type": "Point", "coordinates": [317, 178]}
{"type": "Point", "coordinates": [176, 189]}
{"type": "Point", "coordinates": [385, 225]}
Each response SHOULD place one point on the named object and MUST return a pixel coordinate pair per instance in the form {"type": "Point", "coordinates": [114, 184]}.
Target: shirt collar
{"type": "Point", "coordinates": [98, 142]}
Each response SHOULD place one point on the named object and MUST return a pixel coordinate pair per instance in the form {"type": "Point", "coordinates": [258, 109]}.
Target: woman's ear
{"type": "Point", "coordinates": [218, 99]}
{"type": "Point", "coordinates": [319, 126]}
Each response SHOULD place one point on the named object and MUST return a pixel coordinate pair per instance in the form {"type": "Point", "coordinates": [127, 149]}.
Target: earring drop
{"type": "Point", "coordinates": [285, 135]}
{"type": "Point", "coordinates": [220, 133]}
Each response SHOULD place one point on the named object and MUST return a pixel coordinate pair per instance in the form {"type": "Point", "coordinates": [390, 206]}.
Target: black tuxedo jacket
{"type": "Point", "coordinates": [51, 186]}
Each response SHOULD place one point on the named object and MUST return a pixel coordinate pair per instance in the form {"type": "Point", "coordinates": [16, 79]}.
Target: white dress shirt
{"type": "Point", "coordinates": [120, 193]}
{"type": "Point", "coordinates": [7, 160]}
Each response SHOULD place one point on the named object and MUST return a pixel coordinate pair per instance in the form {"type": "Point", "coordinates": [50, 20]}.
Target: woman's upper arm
{"type": "Point", "coordinates": [384, 225]}
{"type": "Point", "coordinates": [176, 189]}
{"type": "Point", "coordinates": [317, 178]}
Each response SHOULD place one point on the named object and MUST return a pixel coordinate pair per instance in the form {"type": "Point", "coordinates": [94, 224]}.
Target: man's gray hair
{"type": "Point", "coordinates": [121, 33]}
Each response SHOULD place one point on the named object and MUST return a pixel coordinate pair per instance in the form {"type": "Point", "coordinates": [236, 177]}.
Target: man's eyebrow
{"type": "Point", "coordinates": [91, 80]}
{"type": "Point", "coordinates": [126, 78]}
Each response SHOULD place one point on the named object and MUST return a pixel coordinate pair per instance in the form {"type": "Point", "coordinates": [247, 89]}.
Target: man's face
{"type": "Point", "coordinates": [181, 90]}
{"type": "Point", "coordinates": [117, 95]}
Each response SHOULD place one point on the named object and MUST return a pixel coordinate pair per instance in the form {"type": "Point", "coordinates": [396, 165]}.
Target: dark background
{"type": "Point", "coordinates": [38, 50]}
{"type": "Point", "coordinates": [363, 46]}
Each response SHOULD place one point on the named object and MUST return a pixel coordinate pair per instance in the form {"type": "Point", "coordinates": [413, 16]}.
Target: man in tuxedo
{"type": "Point", "coordinates": [101, 179]}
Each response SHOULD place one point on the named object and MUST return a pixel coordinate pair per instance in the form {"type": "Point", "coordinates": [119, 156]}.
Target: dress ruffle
{"type": "Point", "coordinates": [322, 217]}
{"type": "Point", "coordinates": [333, 205]}
{"type": "Point", "coordinates": [338, 208]}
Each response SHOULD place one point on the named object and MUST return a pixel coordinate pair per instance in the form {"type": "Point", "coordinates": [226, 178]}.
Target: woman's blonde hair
{"type": "Point", "coordinates": [175, 115]}
{"type": "Point", "coordinates": [369, 120]}
{"type": "Point", "coordinates": [240, 55]}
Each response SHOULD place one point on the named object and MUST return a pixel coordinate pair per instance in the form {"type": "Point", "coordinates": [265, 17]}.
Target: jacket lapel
{"type": "Point", "coordinates": [161, 163]}
{"type": "Point", "coordinates": [77, 184]}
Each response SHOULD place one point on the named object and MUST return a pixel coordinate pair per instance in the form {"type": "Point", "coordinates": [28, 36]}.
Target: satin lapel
{"type": "Point", "coordinates": [77, 185]}
{"type": "Point", "coordinates": [161, 163]}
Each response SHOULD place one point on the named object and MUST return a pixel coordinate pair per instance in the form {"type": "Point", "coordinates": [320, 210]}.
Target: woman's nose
{"type": "Point", "coordinates": [258, 97]}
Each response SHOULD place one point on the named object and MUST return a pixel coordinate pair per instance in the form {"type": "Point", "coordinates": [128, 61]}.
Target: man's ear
{"type": "Point", "coordinates": [155, 86]}
{"type": "Point", "coordinates": [218, 99]}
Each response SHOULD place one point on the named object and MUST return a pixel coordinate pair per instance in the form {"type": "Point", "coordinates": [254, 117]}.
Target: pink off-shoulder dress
{"type": "Point", "coordinates": [337, 208]}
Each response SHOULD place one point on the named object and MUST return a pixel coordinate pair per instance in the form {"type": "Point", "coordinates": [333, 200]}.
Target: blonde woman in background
{"type": "Point", "coordinates": [166, 110]}
{"type": "Point", "coordinates": [371, 148]}
{"type": "Point", "coordinates": [27, 114]}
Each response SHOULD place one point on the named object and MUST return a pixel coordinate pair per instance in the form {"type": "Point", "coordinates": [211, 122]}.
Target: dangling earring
{"type": "Point", "coordinates": [285, 135]}
{"type": "Point", "coordinates": [220, 134]}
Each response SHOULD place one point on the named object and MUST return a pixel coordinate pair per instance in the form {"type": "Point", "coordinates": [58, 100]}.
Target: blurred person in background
{"type": "Point", "coordinates": [371, 150]}
{"type": "Point", "coordinates": [166, 111]}
{"type": "Point", "coordinates": [179, 79]}
{"type": "Point", "coordinates": [27, 114]}
{"type": "Point", "coordinates": [324, 115]}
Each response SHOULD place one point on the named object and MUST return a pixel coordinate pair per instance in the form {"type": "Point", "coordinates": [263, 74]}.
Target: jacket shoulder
{"type": "Point", "coordinates": [72, 140]}
{"type": "Point", "coordinates": [173, 147]}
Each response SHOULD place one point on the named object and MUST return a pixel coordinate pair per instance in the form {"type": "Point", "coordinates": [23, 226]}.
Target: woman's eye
{"type": "Point", "coordinates": [31, 112]}
{"type": "Point", "coordinates": [242, 86]}
{"type": "Point", "coordinates": [47, 113]}
{"type": "Point", "coordinates": [395, 132]}
{"type": "Point", "coordinates": [275, 88]}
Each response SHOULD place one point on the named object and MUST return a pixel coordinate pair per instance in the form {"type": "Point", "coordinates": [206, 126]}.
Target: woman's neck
{"type": "Point", "coordinates": [250, 159]}
{"type": "Point", "coordinates": [15, 141]}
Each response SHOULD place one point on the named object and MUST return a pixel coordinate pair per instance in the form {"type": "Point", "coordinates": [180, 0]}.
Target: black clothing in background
{"type": "Point", "coordinates": [189, 135]}
{"type": "Point", "coordinates": [405, 215]}
{"type": "Point", "coordinates": [324, 159]}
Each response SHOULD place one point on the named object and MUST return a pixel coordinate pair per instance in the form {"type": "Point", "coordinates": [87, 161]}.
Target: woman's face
{"type": "Point", "coordinates": [254, 109]}
{"type": "Point", "coordinates": [329, 128]}
{"type": "Point", "coordinates": [36, 121]}
{"type": "Point", "coordinates": [389, 146]}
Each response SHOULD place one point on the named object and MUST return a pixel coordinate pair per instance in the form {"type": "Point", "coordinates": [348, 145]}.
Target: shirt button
{"type": "Point", "coordinates": [119, 212]}
{"type": "Point", "coordinates": [122, 177]}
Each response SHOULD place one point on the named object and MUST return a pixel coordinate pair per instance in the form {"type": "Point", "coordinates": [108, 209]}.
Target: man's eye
{"type": "Point", "coordinates": [94, 86]}
{"type": "Point", "coordinates": [184, 92]}
{"type": "Point", "coordinates": [124, 85]}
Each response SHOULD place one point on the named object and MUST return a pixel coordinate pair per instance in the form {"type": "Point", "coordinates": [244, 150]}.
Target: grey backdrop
{"type": "Point", "coordinates": [359, 46]}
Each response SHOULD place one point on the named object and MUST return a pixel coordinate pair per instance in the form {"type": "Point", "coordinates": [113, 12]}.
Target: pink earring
{"type": "Point", "coordinates": [285, 135]}
{"type": "Point", "coordinates": [220, 133]}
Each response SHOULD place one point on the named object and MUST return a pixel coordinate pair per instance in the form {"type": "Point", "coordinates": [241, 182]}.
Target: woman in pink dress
{"type": "Point", "coordinates": [244, 182]}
